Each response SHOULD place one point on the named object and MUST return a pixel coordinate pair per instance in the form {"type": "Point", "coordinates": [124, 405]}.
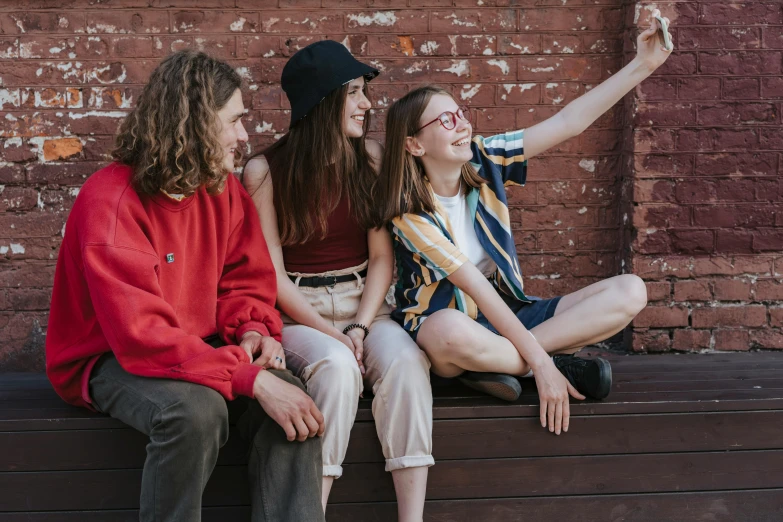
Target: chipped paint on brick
{"type": "Point", "coordinates": [382, 18]}
{"type": "Point", "coordinates": [429, 48]}
{"type": "Point", "coordinates": [61, 148]}
{"type": "Point", "coordinates": [469, 91]}
{"type": "Point", "coordinates": [501, 64]}
{"type": "Point", "coordinates": [405, 45]}
{"type": "Point", "coordinates": [459, 67]}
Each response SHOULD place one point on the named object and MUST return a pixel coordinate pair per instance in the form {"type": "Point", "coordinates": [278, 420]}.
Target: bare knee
{"type": "Point", "coordinates": [631, 294]}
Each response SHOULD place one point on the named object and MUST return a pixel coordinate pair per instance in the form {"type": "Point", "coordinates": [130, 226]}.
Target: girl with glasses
{"type": "Point", "coordinates": [312, 190]}
{"type": "Point", "coordinates": [460, 292]}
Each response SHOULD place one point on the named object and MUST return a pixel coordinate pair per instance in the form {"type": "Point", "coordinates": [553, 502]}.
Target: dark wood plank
{"type": "Point", "coordinates": [724, 506]}
{"type": "Point", "coordinates": [450, 480]}
{"type": "Point", "coordinates": [453, 439]}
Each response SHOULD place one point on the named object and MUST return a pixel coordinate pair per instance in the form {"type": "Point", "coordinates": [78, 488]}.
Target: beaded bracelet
{"type": "Point", "coordinates": [356, 325]}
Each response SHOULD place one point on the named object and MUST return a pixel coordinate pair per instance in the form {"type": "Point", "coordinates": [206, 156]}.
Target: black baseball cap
{"type": "Point", "coordinates": [315, 71]}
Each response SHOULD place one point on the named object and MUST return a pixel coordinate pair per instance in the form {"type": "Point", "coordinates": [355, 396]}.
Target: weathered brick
{"type": "Point", "coordinates": [731, 290]}
{"type": "Point", "coordinates": [769, 338]}
{"type": "Point", "coordinates": [733, 241]}
{"type": "Point", "coordinates": [658, 290]}
{"type": "Point", "coordinates": [732, 340]}
{"type": "Point", "coordinates": [742, 63]}
{"type": "Point", "coordinates": [741, 13]}
{"type": "Point", "coordinates": [766, 240]}
{"type": "Point", "coordinates": [651, 341]}
{"type": "Point", "coordinates": [474, 21]}
{"type": "Point", "coordinates": [732, 316]}
{"type": "Point", "coordinates": [719, 38]}
{"type": "Point", "coordinates": [725, 265]}
{"type": "Point", "coordinates": [692, 290]}
{"type": "Point", "coordinates": [748, 164]}
{"type": "Point", "coordinates": [769, 290]}
{"type": "Point", "coordinates": [662, 317]}
{"type": "Point", "coordinates": [776, 316]}
{"type": "Point", "coordinates": [688, 340]}
{"type": "Point", "coordinates": [741, 88]}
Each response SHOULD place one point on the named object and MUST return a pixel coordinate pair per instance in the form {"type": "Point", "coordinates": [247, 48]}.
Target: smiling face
{"type": "Point", "coordinates": [435, 143]}
{"type": "Point", "coordinates": [232, 133]}
{"type": "Point", "coordinates": [356, 105]}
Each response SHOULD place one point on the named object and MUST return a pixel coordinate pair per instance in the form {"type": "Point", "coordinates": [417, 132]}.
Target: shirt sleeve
{"type": "Point", "coordinates": [247, 290]}
{"type": "Point", "coordinates": [143, 331]}
{"type": "Point", "coordinates": [500, 158]}
{"type": "Point", "coordinates": [429, 246]}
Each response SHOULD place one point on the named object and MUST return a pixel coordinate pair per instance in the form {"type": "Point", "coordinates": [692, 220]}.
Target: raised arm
{"type": "Point", "coordinates": [582, 112]}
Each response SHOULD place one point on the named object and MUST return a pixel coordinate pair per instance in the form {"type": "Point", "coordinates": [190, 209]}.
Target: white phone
{"type": "Point", "coordinates": [663, 30]}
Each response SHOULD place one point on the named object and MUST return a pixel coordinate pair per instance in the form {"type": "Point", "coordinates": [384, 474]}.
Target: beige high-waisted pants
{"type": "Point", "coordinates": [397, 371]}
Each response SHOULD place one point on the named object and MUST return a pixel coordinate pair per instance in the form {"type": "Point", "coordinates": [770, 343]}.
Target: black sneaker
{"type": "Point", "coordinates": [498, 385]}
{"type": "Point", "coordinates": [590, 377]}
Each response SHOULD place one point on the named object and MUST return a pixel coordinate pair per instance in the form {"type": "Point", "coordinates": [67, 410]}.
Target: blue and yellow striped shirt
{"type": "Point", "coordinates": [425, 249]}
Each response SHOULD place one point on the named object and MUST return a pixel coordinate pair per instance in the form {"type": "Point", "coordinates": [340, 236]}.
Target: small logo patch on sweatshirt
{"type": "Point", "coordinates": [169, 258]}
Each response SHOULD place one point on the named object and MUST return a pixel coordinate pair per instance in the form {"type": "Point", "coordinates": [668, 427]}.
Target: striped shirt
{"type": "Point", "coordinates": [425, 249]}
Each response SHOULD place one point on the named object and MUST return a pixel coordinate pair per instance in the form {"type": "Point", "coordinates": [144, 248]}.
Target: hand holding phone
{"type": "Point", "coordinates": [663, 30]}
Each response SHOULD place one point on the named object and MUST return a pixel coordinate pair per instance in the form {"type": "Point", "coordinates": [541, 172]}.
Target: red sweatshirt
{"type": "Point", "coordinates": [147, 278]}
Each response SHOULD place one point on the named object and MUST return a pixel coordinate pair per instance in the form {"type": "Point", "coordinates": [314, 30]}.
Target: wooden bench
{"type": "Point", "coordinates": [680, 438]}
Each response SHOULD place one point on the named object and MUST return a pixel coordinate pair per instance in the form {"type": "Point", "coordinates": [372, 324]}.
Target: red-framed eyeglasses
{"type": "Point", "coordinates": [449, 119]}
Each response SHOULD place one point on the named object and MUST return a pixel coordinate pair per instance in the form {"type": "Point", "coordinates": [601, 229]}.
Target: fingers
{"type": "Point", "coordinates": [550, 412]}
{"type": "Point", "coordinates": [559, 417]}
{"type": "Point", "coordinates": [312, 424]}
{"type": "Point", "coordinates": [573, 393]}
{"type": "Point", "coordinates": [247, 346]}
{"type": "Point", "coordinates": [543, 413]}
{"type": "Point", "coordinates": [277, 362]}
{"type": "Point", "coordinates": [359, 353]}
{"type": "Point", "coordinates": [301, 429]}
{"type": "Point", "coordinates": [566, 416]}
{"type": "Point", "coordinates": [263, 360]}
{"type": "Point", "coordinates": [319, 418]}
{"type": "Point", "coordinates": [290, 432]}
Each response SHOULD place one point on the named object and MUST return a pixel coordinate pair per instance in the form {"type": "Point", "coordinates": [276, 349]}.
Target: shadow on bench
{"type": "Point", "coordinates": [680, 438]}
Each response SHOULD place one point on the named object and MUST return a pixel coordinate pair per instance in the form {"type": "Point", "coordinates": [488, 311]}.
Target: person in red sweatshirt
{"type": "Point", "coordinates": [163, 309]}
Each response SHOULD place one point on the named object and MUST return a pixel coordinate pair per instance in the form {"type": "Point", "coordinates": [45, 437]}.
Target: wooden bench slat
{"type": "Point", "coordinates": [449, 480]}
{"type": "Point", "coordinates": [724, 506]}
{"type": "Point", "coordinates": [453, 439]}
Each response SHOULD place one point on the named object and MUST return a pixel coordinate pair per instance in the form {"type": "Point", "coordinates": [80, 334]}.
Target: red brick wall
{"type": "Point", "coordinates": [706, 214]}
{"type": "Point", "coordinates": [688, 203]}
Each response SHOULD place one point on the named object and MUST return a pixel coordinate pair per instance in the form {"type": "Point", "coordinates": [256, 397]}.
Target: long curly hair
{"type": "Point", "coordinates": [170, 139]}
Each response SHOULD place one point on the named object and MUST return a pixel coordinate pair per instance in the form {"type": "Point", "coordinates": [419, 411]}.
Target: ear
{"type": "Point", "coordinates": [413, 146]}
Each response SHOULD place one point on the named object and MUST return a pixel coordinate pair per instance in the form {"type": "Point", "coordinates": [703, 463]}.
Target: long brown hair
{"type": "Point", "coordinates": [313, 166]}
{"type": "Point", "coordinates": [171, 136]}
{"type": "Point", "coordinates": [402, 185]}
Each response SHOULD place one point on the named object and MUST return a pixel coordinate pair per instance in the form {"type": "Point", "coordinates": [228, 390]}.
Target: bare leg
{"type": "Point", "coordinates": [326, 488]}
{"type": "Point", "coordinates": [411, 487]}
{"type": "Point", "coordinates": [592, 314]}
{"type": "Point", "coordinates": [454, 343]}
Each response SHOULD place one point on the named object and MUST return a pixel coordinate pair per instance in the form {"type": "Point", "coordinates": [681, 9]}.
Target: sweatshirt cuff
{"type": "Point", "coordinates": [243, 378]}
{"type": "Point", "coordinates": [255, 326]}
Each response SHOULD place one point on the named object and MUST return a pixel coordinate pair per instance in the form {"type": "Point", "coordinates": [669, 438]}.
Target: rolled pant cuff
{"type": "Point", "coordinates": [409, 462]}
{"type": "Point", "coordinates": [333, 471]}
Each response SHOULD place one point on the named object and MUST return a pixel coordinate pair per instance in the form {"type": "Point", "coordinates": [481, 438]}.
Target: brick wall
{"type": "Point", "coordinates": [688, 203]}
{"type": "Point", "coordinates": [706, 214]}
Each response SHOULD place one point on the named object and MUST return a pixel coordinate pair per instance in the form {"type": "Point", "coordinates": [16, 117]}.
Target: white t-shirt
{"type": "Point", "coordinates": [465, 235]}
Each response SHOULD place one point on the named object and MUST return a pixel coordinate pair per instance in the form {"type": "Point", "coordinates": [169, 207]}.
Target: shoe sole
{"type": "Point", "coordinates": [500, 390]}
{"type": "Point", "coordinates": [605, 370]}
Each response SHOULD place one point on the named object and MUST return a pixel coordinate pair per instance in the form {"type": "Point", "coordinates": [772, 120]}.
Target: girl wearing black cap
{"type": "Point", "coordinates": [460, 291]}
{"type": "Point", "coordinates": [313, 192]}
